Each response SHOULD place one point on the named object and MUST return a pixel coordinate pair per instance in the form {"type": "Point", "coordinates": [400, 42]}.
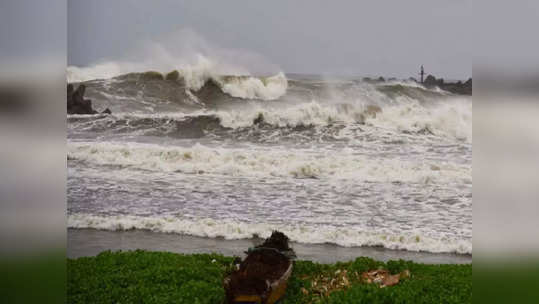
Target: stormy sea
{"type": "Point", "coordinates": [341, 161]}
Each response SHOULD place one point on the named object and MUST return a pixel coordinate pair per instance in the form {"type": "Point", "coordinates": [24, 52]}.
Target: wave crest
{"type": "Point", "coordinates": [265, 88]}
{"type": "Point", "coordinates": [231, 229]}
{"type": "Point", "coordinates": [201, 159]}
{"type": "Point", "coordinates": [192, 79]}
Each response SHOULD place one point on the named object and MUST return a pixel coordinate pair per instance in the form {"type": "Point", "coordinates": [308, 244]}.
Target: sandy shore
{"type": "Point", "coordinates": [90, 242]}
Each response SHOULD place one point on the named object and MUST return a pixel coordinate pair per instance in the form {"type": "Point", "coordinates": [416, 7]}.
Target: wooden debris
{"type": "Point", "coordinates": [383, 277]}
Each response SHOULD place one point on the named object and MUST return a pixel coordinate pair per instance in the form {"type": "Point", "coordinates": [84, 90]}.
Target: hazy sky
{"type": "Point", "coordinates": [390, 38]}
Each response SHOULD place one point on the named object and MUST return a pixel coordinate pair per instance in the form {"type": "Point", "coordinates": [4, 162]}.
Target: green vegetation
{"type": "Point", "coordinates": [174, 75]}
{"type": "Point", "coordinates": [152, 75]}
{"type": "Point", "coordinates": [163, 277]}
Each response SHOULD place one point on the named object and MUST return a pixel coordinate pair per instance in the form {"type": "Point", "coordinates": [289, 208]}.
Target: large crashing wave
{"type": "Point", "coordinates": [239, 86]}
{"type": "Point", "coordinates": [248, 87]}
{"type": "Point", "coordinates": [237, 102]}
{"type": "Point", "coordinates": [451, 119]}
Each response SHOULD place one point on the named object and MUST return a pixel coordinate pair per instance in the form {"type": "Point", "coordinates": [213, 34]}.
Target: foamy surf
{"type": "Point", "coordinates": [301, 163]}
{"type": "Point", "coordinates": [194, 77]}
{"type": "Point", "coordinates": [339, 161]}
{"type": "Point", "coordinates": [450, 119]}
{"type": "Point", "coordinates": [315, 234]}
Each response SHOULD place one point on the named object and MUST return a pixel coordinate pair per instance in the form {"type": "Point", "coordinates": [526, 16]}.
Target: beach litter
{"type": "Point", "coordinates": [341, 279]}
{"type": "Point", "coordinates": [383, 277]}
{"type": "Point", "coordinates": [323, 285]}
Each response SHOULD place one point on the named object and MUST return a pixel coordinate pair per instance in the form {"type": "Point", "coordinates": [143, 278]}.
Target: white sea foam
{"type": "Point", "coordinates": [268, 88]}
{"type": "Point", "coordinates": [259, 162]}
{"type": "Point", "coordinates": [195, 76]}
{"type": "Point", "coordinates": [315, 234]}
{"type": "Point", "coordinates": [311, 113]}
{"type": "Point", "coordinates": [452, 118]}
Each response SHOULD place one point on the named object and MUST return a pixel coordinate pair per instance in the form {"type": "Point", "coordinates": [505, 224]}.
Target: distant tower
{"type": "Point", "coordinates": [422, 73]}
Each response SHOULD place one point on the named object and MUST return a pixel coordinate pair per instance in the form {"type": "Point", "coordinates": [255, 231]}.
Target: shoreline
{"type": "Point", "coordinates": [90, 242]}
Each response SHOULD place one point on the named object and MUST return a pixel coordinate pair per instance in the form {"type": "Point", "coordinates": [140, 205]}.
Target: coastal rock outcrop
{"type": "Point", "coordinates": [454, 87]}
{"type": "Point", "coordinates": [373, 80]}
{"type": "Point", "coordinates": [76, 104]}
{"type": "Point", "coordinates": [459, 87]}
{"type": "Point", "coordinates": [431, 81]}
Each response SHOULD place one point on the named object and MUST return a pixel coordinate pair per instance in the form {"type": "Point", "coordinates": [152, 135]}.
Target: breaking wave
{"type": "Point", "coordinates": [248, 87]}
{"type": "Point", "coordinates": [451, 119]}
{"type": "Point", "coordinates": [231, 229]}
{"type": "Point", "coordinates": [448, 119]}
{"type": "Point", "coordinates": [192, 80]}
{"type": "Point", "coordinates": [298, 163]}
{"type": "Point", "coordinates": [394, 155]}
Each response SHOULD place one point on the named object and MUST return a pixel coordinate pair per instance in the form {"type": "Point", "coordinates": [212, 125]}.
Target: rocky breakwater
{"type": "Point", "coordinates": [459, 87]}
{"type": "Point", "coordinates": [76, 104]}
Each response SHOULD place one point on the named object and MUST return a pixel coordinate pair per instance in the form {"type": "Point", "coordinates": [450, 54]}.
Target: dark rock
{"type": "Point", "coordinates": [107, 111]}
{"type": "Point", "coordinates": [76, 104]}
{"type": "Point", "coordinates": [452, 87]}
{"type": "Point", "coordinates": [430, 81]}
{"type": "Point", "coordinates": [374, 80]}
{"type": "Point", "coordinates": [70, 90]}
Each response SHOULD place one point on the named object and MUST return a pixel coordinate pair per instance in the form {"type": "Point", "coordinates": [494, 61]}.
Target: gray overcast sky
{"type": "Point", "coordinates": [390, 38]}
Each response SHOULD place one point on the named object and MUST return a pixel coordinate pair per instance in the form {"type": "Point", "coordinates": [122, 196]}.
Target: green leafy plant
{"type": "Point", "coordinates": [163, 277]}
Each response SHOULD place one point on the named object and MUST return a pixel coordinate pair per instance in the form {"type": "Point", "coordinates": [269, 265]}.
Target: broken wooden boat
{"type": "Point", "coordinates": [263, 275]}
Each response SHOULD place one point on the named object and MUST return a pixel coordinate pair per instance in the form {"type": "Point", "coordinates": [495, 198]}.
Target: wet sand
{"type": "Point", "coordinates": [90, 242]}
